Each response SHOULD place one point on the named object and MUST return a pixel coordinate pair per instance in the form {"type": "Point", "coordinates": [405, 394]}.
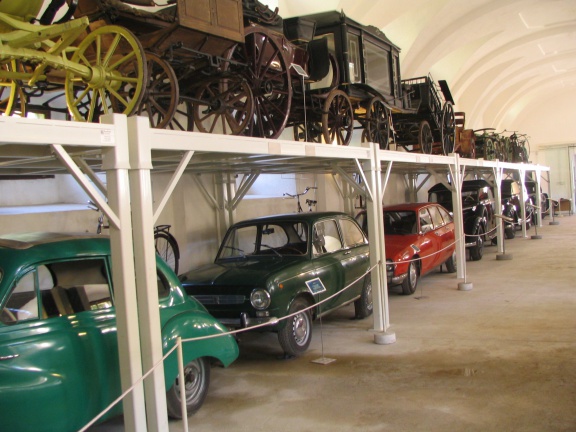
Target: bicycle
{"type": "Point", "coordinates": [309, 202]}
{"type": "Point", "coordinates": [164, 242]}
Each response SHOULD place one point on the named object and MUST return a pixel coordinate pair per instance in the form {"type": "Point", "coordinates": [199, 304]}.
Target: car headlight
{"type": "Point", "coordinates": [260, 299]}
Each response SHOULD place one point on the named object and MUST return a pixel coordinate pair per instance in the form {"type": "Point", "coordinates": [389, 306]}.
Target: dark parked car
{"type": "Point", "coordinates": [531, 189]}
{"type": "Point", "coordinates": [59, 364]}
{"type": "Point", "coordinates": [271, 267]}
{"type": "Point", "coordinates": [478, 212]}
{"type": "Point", "coordinates": [419, 237]}
{"type": "Point", "coordinates": [511, 206]}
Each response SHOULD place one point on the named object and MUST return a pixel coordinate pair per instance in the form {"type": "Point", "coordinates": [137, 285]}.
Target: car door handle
{"type": "Point", "coordinates": [9, 357]}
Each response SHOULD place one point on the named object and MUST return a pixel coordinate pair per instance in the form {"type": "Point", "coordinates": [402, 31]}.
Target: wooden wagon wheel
{"type": "Point", "coordinates": [489, 149]}
{"type": "Point", "coordinates": [425, 137]}
{"type": "Point", "coordinates": [448, 131]}
{"type": "Point", "coordinates": [183, 118]}
{"type": "Point", "coordinates": [378, 121]}
{"type": "Point", "coordinates": [119, 75]}
{"type": "Point", "coordinates": [161, 94]}
{"type": "Point", "coordinates": [269, 78]}
{"type": "Point", "coordinates": [337, 118]}
{"type": "Point", "coordinates": [12, 96]}
{"type": "Point", "coordinates": [313, 133]}
{"type": "Point", "coordinates": [224, 105]}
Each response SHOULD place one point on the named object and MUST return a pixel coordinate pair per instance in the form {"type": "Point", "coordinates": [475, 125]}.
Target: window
{"type": "Point", "coordinates": [378, 67]}
{"type": "Point", "coordinates": [352, 234]}
{"type": "Point", "coordinates": [436, 217]}
{"type": "Point", "coordinates": [354, 58]}
{"type": "Point", "coordinates": [273, 236]}
{"type": "Point", "coordinates": [445, 215]}
{"type": "Point", "coordinates": [425, 221]}
{"type": "Point", "coordinates": [57, 289]}
{"type": "Point", "coordinates": [326, 237]}
{"type": "Point", "coordinates": [239, 242]}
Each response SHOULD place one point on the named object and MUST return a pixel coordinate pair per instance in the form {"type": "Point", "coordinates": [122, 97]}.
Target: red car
{"type": "Point", "coordinates": [419, 237]}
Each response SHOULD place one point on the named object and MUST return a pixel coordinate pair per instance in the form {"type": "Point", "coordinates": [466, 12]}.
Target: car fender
{"type": "Point", "coordinates": [222, 346]}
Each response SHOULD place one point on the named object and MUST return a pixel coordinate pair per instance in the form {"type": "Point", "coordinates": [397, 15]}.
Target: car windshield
{"type": "Point", "coordinates": [400, 222]}
{"type": "Point", "coordinates": [276, 239]}
{"type": "Point", "coordinates": [469, 197]}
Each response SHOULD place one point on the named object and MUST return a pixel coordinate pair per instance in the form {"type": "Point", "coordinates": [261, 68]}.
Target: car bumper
{"type": "Point", "coordinates": [396, 280]}
{"type": "Point", "coordinates": [245, 321]}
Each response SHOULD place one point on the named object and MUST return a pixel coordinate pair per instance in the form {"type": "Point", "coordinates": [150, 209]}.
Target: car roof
{"type": "Point", "coordinates": [296, 217]}
{"type": "Point", "coordinates": [466, 185]}
{"type": "Point", "coordinates": [409, 206]}
{"type": "Point", "coordinates": [31, 239]}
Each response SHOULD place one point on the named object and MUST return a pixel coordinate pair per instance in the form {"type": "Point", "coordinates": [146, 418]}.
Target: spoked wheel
{"type": "Point", "coordinates": [8, 88]}
{"type": "Point", "coordinates": [269, 78]}
{"type": "Point", "coordinates": [425, 137]}
{"type": "Point", "coordinates": [337, 118]}
{"type": "Point", "coordinates": [313, 132]}
{"type": "Point", "coordinates": [489, 149]}
{"type": "Point", "coordinates": [378, 121]}
{"type": "Point", "coordinates": [162, 93]}
{"type": "Point", "coordinates": [118, 75]}
{"type": "Point", "coordinates": [448, 131]}
{"type": "Point", "coordinates": [183, 118]}
{"type": "Point", "coordinates": [224, 105]}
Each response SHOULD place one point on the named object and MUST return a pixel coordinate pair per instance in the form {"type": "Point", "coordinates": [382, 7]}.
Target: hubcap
{"type": "Point", "coordinates": [300, 329]}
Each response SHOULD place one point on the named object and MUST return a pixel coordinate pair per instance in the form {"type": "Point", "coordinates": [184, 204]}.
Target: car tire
{"type": "Point", "coordinates": [411, 281]}
{"type": "Point", "coordinates": [363, 307]}
{"type": "Point", "coordinates": [451, 266]}
{"type": "Point", "coordinates": [510, 229]}
{"type": "Point", "coordinates": [296, 334]}
{"type": "Point", "coordinates": [477, 251]}
{"type": "Point", "coordinates": [197, 376]}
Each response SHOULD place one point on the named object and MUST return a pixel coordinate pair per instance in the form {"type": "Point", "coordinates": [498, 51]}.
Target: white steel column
{"type": "Point", "coordinates": [383, 335]}
{"type": "Point", "coordinates": [116, 164]}
{"type": "Point", "coordinates": [458, 222]}
{"type": "Point", "coordinates": [523, 200]}
{"type": "Point", "coordinates": [145, 265]}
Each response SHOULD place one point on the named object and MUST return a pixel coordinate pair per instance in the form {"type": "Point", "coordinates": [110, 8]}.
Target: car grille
{"type": "Point", "coordinates": [220, 299]}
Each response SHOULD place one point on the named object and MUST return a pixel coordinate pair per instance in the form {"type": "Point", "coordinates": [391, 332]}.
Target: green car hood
{"type": "Point", "coordinates": [234, 273]}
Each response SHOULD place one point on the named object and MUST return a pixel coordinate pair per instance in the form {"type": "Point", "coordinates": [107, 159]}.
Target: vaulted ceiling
{"type": "Point", "coordinates": [510, 64]}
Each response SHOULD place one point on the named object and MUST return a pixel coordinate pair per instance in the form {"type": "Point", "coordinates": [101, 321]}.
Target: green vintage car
{"type": "Point", "coordinates": [59, 363]}
{"type": "Point", "coordinates": [275, 266]}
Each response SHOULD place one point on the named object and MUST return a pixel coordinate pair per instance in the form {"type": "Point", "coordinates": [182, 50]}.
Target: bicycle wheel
{"type": "Point", "coordinates": [167, 249]}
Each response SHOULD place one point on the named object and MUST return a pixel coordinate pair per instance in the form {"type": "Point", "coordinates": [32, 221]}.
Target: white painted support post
{"type": "Point", "coordinates": [116, 165]}
{"type": "Point", "coordinates": [523, 200]}
{"type": "Point", "coordinates": [145, 265]}
{"type": "Point", "coordinates": [382, 332]}
{"type": "Point", "coordinates": [459, 226]}
{"type": "Point", "coordinates": [498, 198]}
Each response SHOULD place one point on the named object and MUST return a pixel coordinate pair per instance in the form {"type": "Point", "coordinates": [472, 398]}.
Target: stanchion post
{"type": "Point", "coordinates": [182, 381]}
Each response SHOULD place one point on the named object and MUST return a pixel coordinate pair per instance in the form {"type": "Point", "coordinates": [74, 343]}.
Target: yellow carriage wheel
{"type": "Point", "coordinates": [117, 78]}
{"type": "Point", "coordinates": [8, 88]}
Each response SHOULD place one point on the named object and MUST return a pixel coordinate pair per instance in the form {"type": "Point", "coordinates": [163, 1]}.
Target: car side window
{"type": "Point", "coordinates": [445, 215]}
{"type": "Point", "coordinates": [436, 217]}
{"type": "Point", "coordinates": [425, 221]}
{"type": "Point", "coordinates": [352, 234]}
{"type": "Point", "coordinates": [326, 237]}
{"type": "Point", "coordinates": [58, 289]}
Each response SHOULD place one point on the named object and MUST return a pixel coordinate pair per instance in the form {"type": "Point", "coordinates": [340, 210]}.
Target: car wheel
{"type": "Point", "coordinates": [510, 229]}
{"type": "Point", "coordinates": [477, 251]}
{"type": "Point", "coordinates": [296, 335]}
{"type": "Point", "coordinates": [363, 306]}
{"type": "Point", "coordinates": [197, 377]}
{"type": "Point", "coordinates": [409, 284]}
{"type": "Point", "coordinates": [451, 263]}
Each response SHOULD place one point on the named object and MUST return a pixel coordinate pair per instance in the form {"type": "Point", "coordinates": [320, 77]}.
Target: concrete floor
{"type": "Point", "coordinates": [501, 357]}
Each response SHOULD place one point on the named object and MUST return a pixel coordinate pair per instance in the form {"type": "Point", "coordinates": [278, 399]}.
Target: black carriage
{"type": "Point", "coordinates": [364, 90]}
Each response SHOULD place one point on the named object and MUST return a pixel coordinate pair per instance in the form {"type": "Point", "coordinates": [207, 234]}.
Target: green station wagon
{"type": "Point", "coordinates": [272, 267]}
{"type": "Point", "coordinates": [59, 364]}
